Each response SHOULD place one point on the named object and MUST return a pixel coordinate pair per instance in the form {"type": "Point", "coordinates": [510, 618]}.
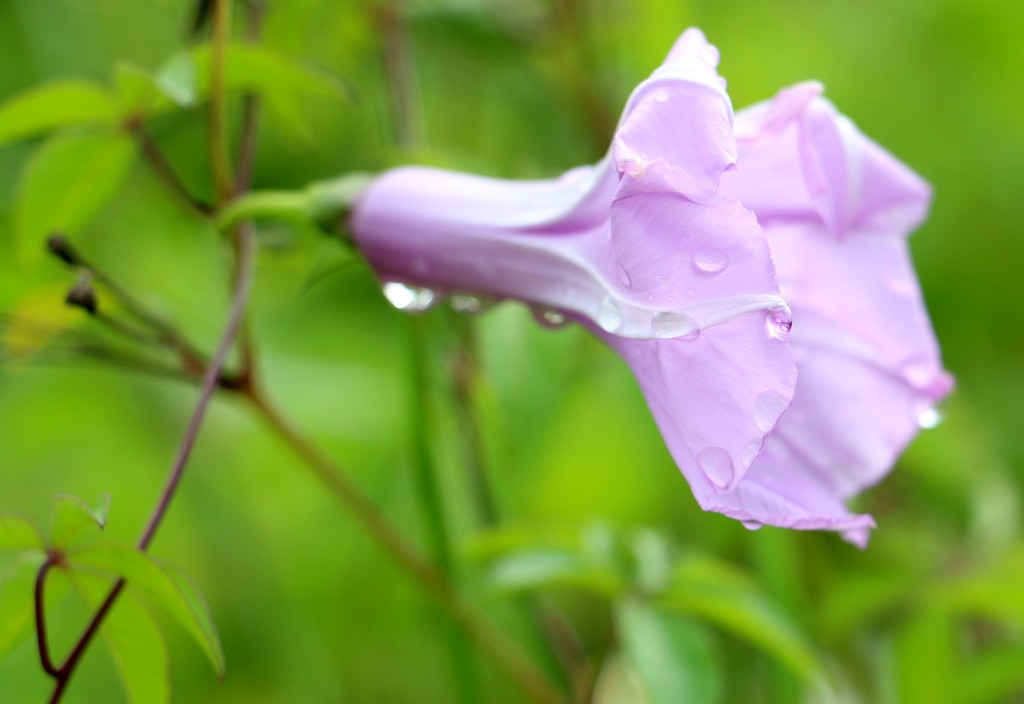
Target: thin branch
{"type": "Point", "coordinates": [40, 607]}
{"type": "Point", "coordinates": [162, 168]}
{"type": "Point", "coordinates": [220, 157]}
{"type": "Point", "coordinates": [210, 382]}
{"type": "Point", "coordinates": [504, 652]}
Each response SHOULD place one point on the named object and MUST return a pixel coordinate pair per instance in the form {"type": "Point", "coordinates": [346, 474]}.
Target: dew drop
{"type": "Point", "coordinates": [752, 525]}
{"type": "Point", "coordinates": [751, 450]}
{"type": "Point", "coordinates": [767, 409]}
{"type": "Point", "coordinates": [624, 277]}
{"type": "Point", "coordinates": [661, 96]}
{"type": "Point", "coordinates": [709, 261]}
{"type": "Point", "coordinates": [717, 466]}
{"type": "Point", "coordinates": [549, 318]}
{"type": "Point", "coordinates": [917, 373]}
{"type": "Point", "coordinates": [779, 322]}
{"type": "Point", "coordinates": [408, 298]}
{"type": "Point", "coordinates": [669, 324]}
{"type": "Point", "coordinates": [929, 417]}
{"type": "Point", "coordinates": [709, 55]}
{"type": "Point", "coordinates": [469, 304]}
{"type": "Point", "coordinates": [609, 315]}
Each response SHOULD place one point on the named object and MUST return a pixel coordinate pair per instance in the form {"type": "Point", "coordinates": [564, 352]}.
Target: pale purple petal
{"type": "Point", "coordinates": [836, 209]}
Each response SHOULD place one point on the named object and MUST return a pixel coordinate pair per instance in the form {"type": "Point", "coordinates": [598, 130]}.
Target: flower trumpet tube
{"type": "Point", "coordinates": [657, 250]}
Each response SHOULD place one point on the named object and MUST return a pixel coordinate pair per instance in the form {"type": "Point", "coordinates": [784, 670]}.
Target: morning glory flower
{"type": "Point", "coordinates": [836, 209]}
{"type": "Point", "coordinates": [657, 250]}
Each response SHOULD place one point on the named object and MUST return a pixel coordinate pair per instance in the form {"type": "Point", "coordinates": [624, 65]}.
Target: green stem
{"type": "Point", "coordinates": [504, 652]}
{"type": "Point", "coordinates": [289, 206]}
{"type": "Point", "coordinates": [428, 485]}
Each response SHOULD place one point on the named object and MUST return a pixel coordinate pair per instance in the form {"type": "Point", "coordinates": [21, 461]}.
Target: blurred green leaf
{"type": "Point", "coordinates": [991, 589]}
{"type": "Point", "coordinates": [165, 588]}
{"type": "Point", "coordinates": [19, 533]}
{"type": "Point", "coordinates": [66, 183]}
{"type": "Point", "coordinates": [992, 677]}
{"type": "Point", "coordinates": [185, 79]}
{"type": "Point", "coordinates": [72, 516]}
{"type": "Point", "coordinates": [534, 569]}
{"type": "Point", "coordinates": [138, 90]}
{"type": "Point", "coordinates": [134, 639]}
{"type": "Point", "coordinates": [56, 105]}
{"type": "Point", "coordinates": [671, 653]}
{"type": "Point", "coordinates": [17, 599]}
{"type": "Point", "coordinates": [925, 665]}
{"type": "Point", "coordinates": [706, 587]}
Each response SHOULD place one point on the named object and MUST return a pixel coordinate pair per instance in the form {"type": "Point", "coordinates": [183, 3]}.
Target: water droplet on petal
{"type": "Point", "coordinates": [717, 466]}
{"type": "Point", "coordinates": [751, 450]}
{"type": "Point", "coordinates": [464, 303]}
{"type": "Point", "coordinates": [674, 325]}
{"type": "Point", "coordinates": [767, 408]}
{"type": "Point", "coordinates": [709, 55]}
{"type": "Point", "coordinates": [709, 261]}
{"type": "Point", "coordinates": [917, 373]}
{"type": "Point", "coordinates": [408, 298]}
{"type": "Point", "coordinates": [549, 318]}
{"type": "Point", "coordinates": [929, 417]}
{"type": "Point", "coordinates": [752, 525]}
{"type": "Point", "coordinates": [624, 277]}
{"type": "Point", "coordinates": [609, 315]}
{"type": "Point", "coordinates": [779, 322]}
{"type": "Point", "coordinates": [661, 96]}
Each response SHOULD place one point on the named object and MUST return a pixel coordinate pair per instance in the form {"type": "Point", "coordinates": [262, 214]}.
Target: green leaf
{"type": "Point", "coordinates": [535, 569]}
{"type": "Point", "coordinates": [138, 90]}
{"type": "Point", "coordinates": [925, 664]}
{"type": "Point", "coordinates": [66, 182]}
{"type": "Point", "coordinates": [56, 105]}
{"type": "Point", "coordinates": [17, 599]}
{"type": "Point", "coordinates": [185, 79]}
{"type": "Point", "coordinates": [134, 639]}
{"type": "Point", "coordinates": [713, 590]}
{"type": "Point", "coordinates": [163, 587]}
{"type": "Point", "coordinates": [72, 517]}
{"type": "Point", "coordinates": [671, 653]}
{"type": "Point", "coordinates": [18, 533]}
{"type": "Point", "coordinates": [993, 676]}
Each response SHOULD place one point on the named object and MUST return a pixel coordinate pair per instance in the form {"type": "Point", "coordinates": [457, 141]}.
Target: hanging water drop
{"type": "Point", "coordinates": [408, 298]}
{"type": "Point", "coordinates": [609, 315]}
{"type": "Point", "coordinates": [751, 450]}
{"type": "Point", "coordinates": [767, 409]}
{"type": "Point", "coordinates": [929, 417]}
{"type": "Point", "coordinates": [624, 278]}
{"type": "Point", "coordinates": [549, 317]}
{"type": "Point", "coordinates": [469, 304]}
{"type": "Point", "coordinates": [669, 324]}
{"type": "Point", "coordinates": [709, 261]}
{"type": "Point", "coordinates": [717, 466]}
{"type": "Point", "coordinates": [779, 322]}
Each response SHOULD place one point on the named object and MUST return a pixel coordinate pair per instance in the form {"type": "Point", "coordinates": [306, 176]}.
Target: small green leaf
{"type": "Point", "coordinates": [17, 599]}
{"type": "Point", "coordinates": [164, 588]}
{"type": "Point", "coordinates": [138, 90]}
{"type": "Point", "coordinates": [671, 653]}
{"type": "Point", "coordinates": [534, 569]}
{"type": "Point", "coordinates": [18, 533]}
{"type": "Point", "coordinates": [56, 105]}
{"type": "Point", "coordinates": [713, 590]}
{"type": "Point", "coordinates": [993, 676]}
{"type": "Point", "coordinates": [185, 79]}
{"type": "Point", "coordinates": [925, 664]}
{"type": "Point", "coordinates": [66, 182]}
{"type": "Point", "coordinates": [72, 517]}
{"type": "Point", "coordinates": [134, 639]}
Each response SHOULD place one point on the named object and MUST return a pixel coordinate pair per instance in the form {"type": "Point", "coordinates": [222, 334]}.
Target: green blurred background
{"type": "Point", "coordinates": [309, 609]}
